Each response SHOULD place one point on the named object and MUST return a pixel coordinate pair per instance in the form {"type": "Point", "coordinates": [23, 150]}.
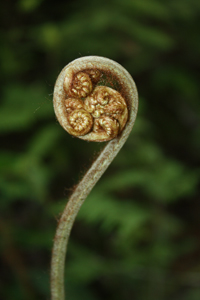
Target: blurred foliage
{"type": "Point", "coordinates": [138, 234]}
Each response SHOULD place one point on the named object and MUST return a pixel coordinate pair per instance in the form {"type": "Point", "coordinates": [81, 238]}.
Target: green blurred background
{"type": "Point", "coordinates": [138, 234]}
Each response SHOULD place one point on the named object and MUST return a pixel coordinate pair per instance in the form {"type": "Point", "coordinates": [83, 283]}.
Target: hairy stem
{"type": "Point", "coordinates": [85, 186]}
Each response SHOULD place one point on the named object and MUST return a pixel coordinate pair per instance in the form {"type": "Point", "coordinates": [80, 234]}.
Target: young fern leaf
{"type": "Point", "coordinates": [95, 99]}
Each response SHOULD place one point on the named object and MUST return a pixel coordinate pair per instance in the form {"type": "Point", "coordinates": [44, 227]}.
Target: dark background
{"type": "Point", "coordinates": [138, 234]}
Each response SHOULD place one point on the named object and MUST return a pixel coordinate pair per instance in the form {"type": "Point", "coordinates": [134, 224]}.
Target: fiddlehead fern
{"type": "Point", "coordinates": [95, 99]}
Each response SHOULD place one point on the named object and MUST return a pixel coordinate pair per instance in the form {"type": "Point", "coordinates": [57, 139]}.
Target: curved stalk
{"type": "Point", "coordinates": [96, 170]}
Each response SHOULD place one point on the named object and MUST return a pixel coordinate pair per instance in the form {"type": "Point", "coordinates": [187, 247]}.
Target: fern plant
{"type": "Point", "coordinates": [87, 108]}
